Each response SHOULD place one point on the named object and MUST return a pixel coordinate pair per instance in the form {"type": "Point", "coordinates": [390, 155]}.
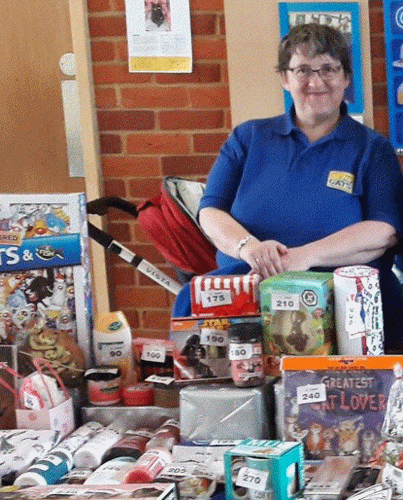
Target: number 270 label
{"type": "Point", "coordinates": [311, 393]}
{"type": "Point", "coordinates": [252, 478]}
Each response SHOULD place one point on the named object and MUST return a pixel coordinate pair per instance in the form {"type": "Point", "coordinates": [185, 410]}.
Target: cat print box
{"type": "Point", "coordinates": [45, 274]}
{"type": "Point", "coordinates": [225, 296]}
{"type": "Point", "coordinates": [337, 405]}
{"type": "Point", "coordinates": [297, 311]}
{"type": "Point", "coordinates": [264, 469]}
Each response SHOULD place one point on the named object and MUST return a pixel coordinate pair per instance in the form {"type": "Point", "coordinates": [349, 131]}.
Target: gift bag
{"type": "Point", "coordinates": [31, 411]}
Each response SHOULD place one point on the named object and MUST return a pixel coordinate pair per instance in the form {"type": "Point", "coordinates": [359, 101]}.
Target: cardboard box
{"type": "Point", "coordinates": [201, 347]}
{"type": "Point", "coordinates": [225, 296]}
{"type": "Point", "coordinates": [336, 405]}
{"type": "Point", "coordinates": [298, 316]}
{"type": "Point", "coordinates": [258, 469]}
{"type": "Point", "coordinates": [45, 271]}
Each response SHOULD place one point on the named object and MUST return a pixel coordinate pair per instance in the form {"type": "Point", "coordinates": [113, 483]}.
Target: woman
{"type": "Point", "coordinates": [309, 190]}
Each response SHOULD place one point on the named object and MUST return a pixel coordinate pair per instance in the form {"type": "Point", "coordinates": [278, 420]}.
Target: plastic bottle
{"type": "Point", "coordinates": [48, 470]}
{"type": "Point", "coordinates": [149, 465]}
{"type": "Point", "coordinates": [166, 436]}
{"type": "Point", "coordinates": [112, 472]}
{"type": "Point", "coordinates": [112, 342]}
{"type": "Point", "coordinates": [132, 444]}
{"type": "Point", "coordinates": [91, 453]}
{"type": "Point", "coordinates": [245, 354]}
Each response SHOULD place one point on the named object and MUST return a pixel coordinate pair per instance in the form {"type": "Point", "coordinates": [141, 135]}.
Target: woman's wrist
{"type": "Point", "coordinates": [242, 244]}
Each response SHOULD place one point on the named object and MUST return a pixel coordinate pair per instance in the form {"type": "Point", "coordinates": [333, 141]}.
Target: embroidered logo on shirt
{"type": "Point", "coordinates": [344, 181]}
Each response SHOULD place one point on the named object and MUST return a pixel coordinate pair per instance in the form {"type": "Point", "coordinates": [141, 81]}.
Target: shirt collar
{"type": "Point", "coordinates": [342, 131]}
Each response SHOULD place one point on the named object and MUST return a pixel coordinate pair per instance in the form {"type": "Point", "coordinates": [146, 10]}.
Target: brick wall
{"type": "Point", "coordinates": [153, 125]}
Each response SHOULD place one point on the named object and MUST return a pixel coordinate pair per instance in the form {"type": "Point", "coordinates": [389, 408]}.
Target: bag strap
{"type": "Point", "coordinates": [4, 366]}
{"type": "Point", "coordinates": [37, 362]}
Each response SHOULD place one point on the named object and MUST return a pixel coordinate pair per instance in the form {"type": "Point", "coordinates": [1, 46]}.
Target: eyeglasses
{"type": "Point", "coordinates": [326, 72]}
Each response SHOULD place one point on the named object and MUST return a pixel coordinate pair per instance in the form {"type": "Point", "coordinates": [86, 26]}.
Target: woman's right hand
{"type": "Point", "coordinates": [264, 257]}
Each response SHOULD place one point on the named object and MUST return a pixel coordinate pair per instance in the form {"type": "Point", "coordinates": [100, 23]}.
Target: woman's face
{"type": "Point", "coordinates": [315, 98]}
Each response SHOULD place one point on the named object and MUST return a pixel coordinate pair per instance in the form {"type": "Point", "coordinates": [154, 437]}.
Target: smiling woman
{"type": "Point", "coordinates": [311, 189]}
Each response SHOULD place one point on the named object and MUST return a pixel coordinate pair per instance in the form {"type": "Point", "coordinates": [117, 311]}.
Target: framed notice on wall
{"type": "Point", "coordinates": [344, 16]}
{"type": "Point", "coordinates": [393, 13]}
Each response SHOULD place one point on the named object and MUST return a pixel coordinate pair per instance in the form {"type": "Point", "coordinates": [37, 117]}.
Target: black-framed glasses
{"type": "Point", "coordinates": [326, 72]}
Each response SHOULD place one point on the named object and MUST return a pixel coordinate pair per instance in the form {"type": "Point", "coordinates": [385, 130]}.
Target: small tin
{"type": "Point", "coordinates": [104, 385]}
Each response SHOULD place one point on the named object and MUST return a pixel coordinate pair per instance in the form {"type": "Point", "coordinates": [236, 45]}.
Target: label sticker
{"type": "Point", "coordinates": [285, 302]}
{"type": "Point", "coordinates": [213, 337]}
{"type": "Point", "coordinates": [311, 393]}
{"type": "Point", "coordinates": [153, 352]}
{"type": "Point", "coordinates": [252, 478]}
{"type": "Point", "coordinates": [343, 181]}
{"type": "Point", "coordinates": [212, 298]}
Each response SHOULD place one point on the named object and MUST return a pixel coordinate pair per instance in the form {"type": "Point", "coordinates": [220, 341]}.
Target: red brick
{"type": "Point", "coordinates": [210, 97]}
{"type": "Point", "coordinates": [376, 22]}
{"type": "Point", "coordinates": [122, 50]}
{"type": "Point", "coordinates": [98, 5]}
{"type": "Point", "coordinates": [375, 4]}
{"type": "Point", "coordinates": [377, 46]}
{"type": "Point", "coordinates": [110, 144]}
{"type": "Point", "coordinates": [148, 252]}
{"type": "Point", "coordinates": [204, 24]}
{"type": "Point", "coordinates": [228, 120]}
{"type": "Point", "coordinates": [117, 73]}
{"type": "Point", "coordinates": [208, 143]}
{"type": "Point", "coordinates": [126, 120]}
{"type": "Point", "coordinates": [118, 5]}
{"type": "Point", "coordinates": [187, 165]}
{"type": "Point", "coordinates": [157, 143]}
{"type": "Point", "coordinates": [191, 120]}
{"type": "Point", "coordinates": [209, 49]}
{"type": "Point", "coordinates": [123, 275]}
{"type": "Point", "coordinates": [103, 51]}
{"type": "Point", "coordinates": [107, 26]}
{"type": "Point", "coordinates": [201, 73]}
{"type": "Point", "coordinates": [378, 71]}
{"type": "Point", "coordinates": [105, 97]}
{"type": "Point", "coordinates": [154, 97]}
{"type": "Point", "coordinates": [380, 97]}
{"type": "Point", "coordinates": [132, 317]}
{"type": "Point", "coordinates": [151, 334]}
{"type": "Point", "coordinates": [120, 232]}
{"type": "Point", "coordinates": [153, 296]}
{"type": "Point", "coordinates": [119, 166]}
{"type": "Point", "coordinates": [207, 5]}
{"type": "Point", "coordinates": [224, 73]}
{"type": "Point", "coordinates": [381, 119]}
{"type": "Point", "coordinates": [115, 215]}
{"type": "Point", "coordinates": [156, 319]}
{"type": "Point", "coordinates": [115, 187]}
{"type": "Point", "coordinates": [144, 188]}
{"type": "Point", "coordinates": [221, 23]}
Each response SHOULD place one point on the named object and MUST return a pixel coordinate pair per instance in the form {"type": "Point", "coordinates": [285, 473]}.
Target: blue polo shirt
{"type": "Point", "coordinates": [279, 186]}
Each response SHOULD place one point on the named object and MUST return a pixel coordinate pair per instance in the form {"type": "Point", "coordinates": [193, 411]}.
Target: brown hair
{"type": "Point", "coordinates": [320, 38]}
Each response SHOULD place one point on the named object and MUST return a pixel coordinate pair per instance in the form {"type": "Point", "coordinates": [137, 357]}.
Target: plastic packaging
{"type": "Point", "coordinates": [166, 436]}
{"type": "Point", "coordinates": [79, 437]}
{"type": "Point", "coordinates": [149, 465]}
{"type": "Point", "coordinates": [132, 444]}
{"type": "Point", "coordinates": [112, 472]}
{"type": "Point", "coordinates": [245, 354]}
{"type": "Point", "coordinates": [48, 470]}
{"type": "Point", "coordinates": [104, 385]}
{"type": "Point", "coordinates": [91, 453]}
{"type": "Point", "coordinates": [112, 340]}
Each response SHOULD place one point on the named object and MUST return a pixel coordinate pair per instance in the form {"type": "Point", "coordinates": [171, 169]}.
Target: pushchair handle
{"type": "Point", "coordinates": [100, 206]}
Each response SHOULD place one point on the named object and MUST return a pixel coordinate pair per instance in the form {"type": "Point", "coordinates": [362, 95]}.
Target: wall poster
{"type": "Point", "coordinates": [342, 15]}
{"type": "Point", "coordinates": [393, 15]}
{"type": "Point", "coordinates": [159, 36]}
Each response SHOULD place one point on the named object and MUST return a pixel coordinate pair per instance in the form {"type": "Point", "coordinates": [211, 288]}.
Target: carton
{"type": "Point", "coordinates": [259, 469]}
{"type": "Point", "coordinates": [297, 311]}
{"type": "Point", "coordinates": [225, 296]}
{"type": "Point", "coordinates": [201, 347]}
{"type": "Point", "coordinates": [339, 405]}
{"type": "Point", "coordinates": [45, 284]}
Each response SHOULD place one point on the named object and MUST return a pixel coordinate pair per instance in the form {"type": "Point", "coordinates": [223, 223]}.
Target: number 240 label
{"type": "Point", "coordinates": [312, 393]}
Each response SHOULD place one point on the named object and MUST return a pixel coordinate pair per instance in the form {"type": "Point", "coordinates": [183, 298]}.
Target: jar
{"type": "Point", "coordinates": [246, 354]}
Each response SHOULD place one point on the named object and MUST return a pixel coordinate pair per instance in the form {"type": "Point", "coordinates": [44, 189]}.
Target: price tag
{"type": "Point", "coordinates": [240, 351]}
{"type": "Point", "coordinates": [31, 401]}
{"type": "Point", "coordinates": [285, 302]}
{"type": "Point", "coordinates": [252, 478]}
{"type": "Point", "coordinates": [176, 469]}
{"type": "Point", "coordinates": [212, 298]}
{"type": "Point", "coordinates": [225, 442]}
{"type": "Point", "coordinates": [311, 393]}
{"type": "Point", "coordinates": [213, 337]}
{"type": "Point", "coordinates": [354, 326]}
{"type": "Point", "coordinates": [153, 352]}
{"type": "Point", "coordinates": [157, 379]}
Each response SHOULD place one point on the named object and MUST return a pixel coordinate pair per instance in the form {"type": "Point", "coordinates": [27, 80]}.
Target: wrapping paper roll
{"type": "Point", "coordinates": [358, 311]}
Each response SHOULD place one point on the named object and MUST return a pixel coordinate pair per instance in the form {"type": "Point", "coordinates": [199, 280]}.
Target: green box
{"type": "Point", "coordinates": [274, 469]}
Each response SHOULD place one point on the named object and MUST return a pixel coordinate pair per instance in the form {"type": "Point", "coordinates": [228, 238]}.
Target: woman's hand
{"type": "Point", "coordinates": [264, 257]}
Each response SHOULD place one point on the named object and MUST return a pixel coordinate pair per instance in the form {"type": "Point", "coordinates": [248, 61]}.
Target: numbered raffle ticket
{"type": "Point", "coordinates": [225, 295]}
{"type": "Point", "coordinates": [336, 405]}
